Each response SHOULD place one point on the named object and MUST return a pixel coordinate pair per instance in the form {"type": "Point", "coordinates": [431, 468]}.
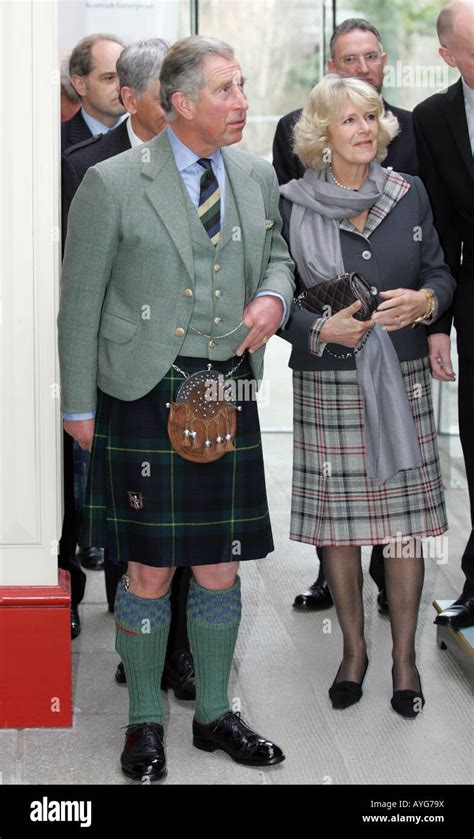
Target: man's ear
{"type": "Point", "coordinates": [447, 57]}
{"type": "Point", "coordinates": [183, 105]}
{"type": "Point", "coordinates": [128, 99]}
{"type": "Point", "coordinates": [79, 84]}
{"type": "Point", "coordinates": [331, 65]}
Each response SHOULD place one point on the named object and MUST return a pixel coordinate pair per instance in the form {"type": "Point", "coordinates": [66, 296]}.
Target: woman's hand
{"type": "Point", "coordinates": [400, 308]}
{"type": "Point", "coordinates": [343, 328]}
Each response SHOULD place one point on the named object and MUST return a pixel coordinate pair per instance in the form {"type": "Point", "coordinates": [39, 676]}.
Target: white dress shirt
{"type": "Point", "coordinates": [469, 104]}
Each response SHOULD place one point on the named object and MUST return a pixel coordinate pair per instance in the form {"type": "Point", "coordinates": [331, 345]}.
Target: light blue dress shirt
{"type": "Point", "coordinates": [97, 127]}
{"type": "Point", "coordinates": [191, 173]}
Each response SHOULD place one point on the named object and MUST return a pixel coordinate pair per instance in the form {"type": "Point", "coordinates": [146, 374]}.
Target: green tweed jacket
{"type": "Point", "coordinates": [129, 253]}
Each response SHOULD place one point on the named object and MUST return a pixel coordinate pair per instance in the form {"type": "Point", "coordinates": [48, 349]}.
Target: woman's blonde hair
{"type": "Point", "coordinates": [325, 104]}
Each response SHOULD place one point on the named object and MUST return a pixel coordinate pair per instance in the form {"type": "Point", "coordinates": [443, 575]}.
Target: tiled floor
{"type": "Point", "coordinates": [284, 663]}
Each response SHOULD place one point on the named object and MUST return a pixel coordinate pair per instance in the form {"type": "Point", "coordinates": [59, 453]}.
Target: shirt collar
{"type": "Point", "coordinates": [97, 127]}
{"type": "Point", "coordinates": [134, 138]}
{"type": "Point", "coordinates": [185, 157]}
{"type": "Point", "coordinates": [468, 93]}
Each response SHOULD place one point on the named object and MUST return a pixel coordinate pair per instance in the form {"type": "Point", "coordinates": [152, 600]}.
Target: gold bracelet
{"type": "Point", "coordinates": [429, 310]}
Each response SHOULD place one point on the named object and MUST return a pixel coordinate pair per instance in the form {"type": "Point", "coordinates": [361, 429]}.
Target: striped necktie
{"type": "Point", "coordinates": [209, 209]}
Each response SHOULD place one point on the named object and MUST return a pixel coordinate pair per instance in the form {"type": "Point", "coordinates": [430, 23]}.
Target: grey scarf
{"type": "Point", "coordinates": [391, 441]}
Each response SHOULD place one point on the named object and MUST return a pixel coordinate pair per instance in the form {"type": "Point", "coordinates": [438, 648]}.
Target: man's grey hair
{"type": "Point", "coordinates": [80, 63]}
{"type": "Point", "coordinates": [444, 24]}
{"type": "Point", "coordinates": [183, 68]}
{"type": "Point", "coordinates": [140, 64]}
{"type": "Point", "coordinates": [348, 26]}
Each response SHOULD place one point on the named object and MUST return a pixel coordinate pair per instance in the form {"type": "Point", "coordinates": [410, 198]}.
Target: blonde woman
{"type": "Point", "coordinates": [366, 468]}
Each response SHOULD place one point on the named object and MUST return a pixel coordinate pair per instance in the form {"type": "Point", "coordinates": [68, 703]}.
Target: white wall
{"type": "Point", "coordinates": [131, 20]}
{"type": "Point", "coordinates": [30, 483]}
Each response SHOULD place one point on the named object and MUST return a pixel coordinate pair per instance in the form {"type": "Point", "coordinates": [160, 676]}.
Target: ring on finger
{"type": "Point", "coordinates": [265, 339]}
{"type": "Point", "coordinates": [399, 320]}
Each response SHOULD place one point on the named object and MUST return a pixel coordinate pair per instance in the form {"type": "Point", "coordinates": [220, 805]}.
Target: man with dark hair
{"type": "Point", "coordinates": [186, 269]}
{"type": "Point", "coordinates": [444, 128]}
{"type": "Point", "coordinates": [93, 75]}
{"type": "Point", "coordinates": [356, 50]}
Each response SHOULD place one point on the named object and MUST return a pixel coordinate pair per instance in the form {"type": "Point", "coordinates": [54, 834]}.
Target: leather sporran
{"type": "Point", "coordinates": [339, 293]}
{"type": "Point", "coordinates": [202, 422]}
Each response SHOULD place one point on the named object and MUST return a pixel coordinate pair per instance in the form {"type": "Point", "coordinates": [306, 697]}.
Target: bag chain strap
{"type": "Point", "coordinates": [353, 352]}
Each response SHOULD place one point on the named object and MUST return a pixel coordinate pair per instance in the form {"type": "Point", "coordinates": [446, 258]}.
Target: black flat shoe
{"type": "Point", "coordinates": [459, 615]}
{"type": "Point", "coordinates": [75, 622]}
{"type": "Point", "coordinates": [408, 703]}
{"type": "Point", "coordinates": [178, 674]}
{"type": "Point", "coordinates": [143, 757]}
{"type": "Point", "coordinates": [345, 694]}
{"type": "Point", "coordinates": [91, 558]}
{"type": "Point", "coordinates": [317, 597]}
{"type": "Point", "coordinates": [120, 676]}
{"type": "Point", "coordinates": [231, 734]}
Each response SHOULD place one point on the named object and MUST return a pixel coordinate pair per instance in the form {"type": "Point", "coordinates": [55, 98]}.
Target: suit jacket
{"type": "Point", "coordinates": [77, 159]}
{"type": "Point", "coordinates": [447, 169]}
{"type": "Point", "coordinates": [129, 244]}
{"type": "Point", "coordinates": [401, 154]}
{"type": "Point", "coordinates": [74, 131]}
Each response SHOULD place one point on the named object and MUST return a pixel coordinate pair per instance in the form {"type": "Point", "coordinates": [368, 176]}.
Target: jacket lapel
{"type": "Point", "coordinates": [456, 115]}
{"type": "Point", "coordinates": [251, 209]}
{"type": "Point", "coordinates": [166, 193]}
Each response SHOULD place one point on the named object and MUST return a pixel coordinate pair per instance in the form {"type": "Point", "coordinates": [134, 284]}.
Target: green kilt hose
{"type": "Point", "coordinates": [188, 513]}
{"type": "Point", "coordinates": [333, 500]}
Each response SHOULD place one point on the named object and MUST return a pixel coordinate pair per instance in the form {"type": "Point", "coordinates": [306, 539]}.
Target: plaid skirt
{"type": "Point", "coordinates": [189, 513]}
{"type": "Point", "coordinates": [333, 500]}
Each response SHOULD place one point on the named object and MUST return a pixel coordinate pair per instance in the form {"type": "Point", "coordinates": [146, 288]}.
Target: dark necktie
{"type": "Point", "coordinates": [209, 209]}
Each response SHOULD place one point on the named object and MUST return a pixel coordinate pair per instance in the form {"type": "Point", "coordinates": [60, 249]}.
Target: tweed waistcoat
{"type": "Point", "coordinates": [218, 297]}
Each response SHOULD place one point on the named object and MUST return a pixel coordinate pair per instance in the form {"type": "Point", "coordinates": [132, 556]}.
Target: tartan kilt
{"type": "Point", "coordinates": [193, 513]}
{"type": "Point", "coordinates": [345, 507]}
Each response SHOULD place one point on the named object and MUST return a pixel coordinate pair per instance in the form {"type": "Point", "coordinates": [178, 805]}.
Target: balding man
{"type": "Point", "coordinates": [444, 128]}
{"type": "Point", "coordinates": [93, 75]}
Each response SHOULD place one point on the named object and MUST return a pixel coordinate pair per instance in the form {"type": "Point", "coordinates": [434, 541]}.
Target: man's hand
{"type": "Point", "coordinates": [82, 431]}
{"type": "Point", "coordinates": [440, 357]}
{"type": "Point", "coordinates": [263, 315]}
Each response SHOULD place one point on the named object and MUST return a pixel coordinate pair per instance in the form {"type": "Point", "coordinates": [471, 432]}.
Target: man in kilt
{"type": "Point", "coordinates": [174, 261]}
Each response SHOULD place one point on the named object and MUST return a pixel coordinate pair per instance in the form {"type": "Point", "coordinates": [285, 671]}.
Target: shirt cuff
{"type": "Point", "coordinates": [89, 415]}
{"type": "Point", "coordinates": [280, 297]}
{"type": "Point", "coordinates": [316, 346]}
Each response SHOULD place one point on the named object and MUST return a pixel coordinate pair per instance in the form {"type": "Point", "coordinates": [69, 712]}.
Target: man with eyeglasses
{"type": "Point", "coordinates": [356, 50]}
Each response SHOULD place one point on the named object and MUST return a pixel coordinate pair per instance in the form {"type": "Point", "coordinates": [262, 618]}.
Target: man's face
{"type": "Point", "coordinates": [218, 118]}
{"type": "Point", "coordinates": [148, 117]}
{"type": "Point", "coordinates": [100, 88]}
{"type": "Point", "coordinates": [458, 50]}
{"type": "Point", "coordinates": [357, 54]}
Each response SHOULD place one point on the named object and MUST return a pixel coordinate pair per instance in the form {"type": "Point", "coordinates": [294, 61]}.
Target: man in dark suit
{"type": "Point", "coordinates": [444, 128]}
{"type": "Point", "coordinates": [93, 75]}
{"type": "Point", "coordinates": [356, 50]}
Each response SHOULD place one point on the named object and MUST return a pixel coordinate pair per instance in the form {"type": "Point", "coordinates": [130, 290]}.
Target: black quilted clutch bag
{"type": "Point", "coordinates": [330, 297]}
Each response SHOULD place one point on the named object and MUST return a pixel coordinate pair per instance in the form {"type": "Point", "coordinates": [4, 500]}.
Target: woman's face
{"type": "Point", "coordinates": [353, 135]}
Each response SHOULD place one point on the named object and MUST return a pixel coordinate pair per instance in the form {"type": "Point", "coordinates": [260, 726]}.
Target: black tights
{"type": "Point", "coordinates": [404, 583]}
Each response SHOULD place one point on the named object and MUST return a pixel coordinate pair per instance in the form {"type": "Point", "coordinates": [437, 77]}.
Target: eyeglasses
{"type": "Point", "coordinates": [370, 58]}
